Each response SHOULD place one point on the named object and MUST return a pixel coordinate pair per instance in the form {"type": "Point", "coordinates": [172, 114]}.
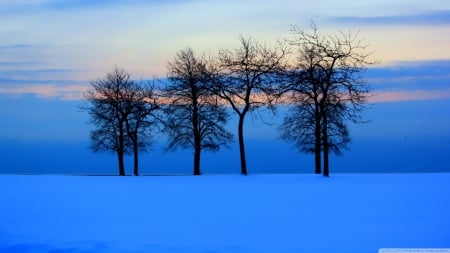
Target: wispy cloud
{"type": "Point", "coordinates": [410, 81]}
{"type": "Point", "coordinates": [74, 4]}
{"type": "Point", "coordinates": [418, 75]}
{"type": "Point", "coordinates": [411, 95]}
{"type": "Point", "coordinates": [403, 81]}
{"type": "Point", "coordinates": [61, 92]}
{"type": "Point", "coordinates": [15, 46]}
{"type": "Point", "coordinates": [441, 17]}
{"type": "Point", "coordinates": [51, 83]}
{"type": "Point", "coordinates": [16, 63]}
{"type": "Point", "coordinates": [35, 74]}
{"type": "Point", "coordinates": [45, 83]}
{"type": "Point", "coordinates": [65, 5]}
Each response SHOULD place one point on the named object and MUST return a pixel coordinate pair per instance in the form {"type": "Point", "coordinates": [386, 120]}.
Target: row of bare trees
{"type": "Point", "coordinates": [317, 76]}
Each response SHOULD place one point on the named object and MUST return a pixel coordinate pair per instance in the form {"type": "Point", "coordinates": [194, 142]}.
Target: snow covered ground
{"type": "Point", "coordinates": [225, 213]}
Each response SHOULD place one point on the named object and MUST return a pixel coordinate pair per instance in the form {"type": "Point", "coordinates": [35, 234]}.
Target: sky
{"type": "Point", "coordinates": [51, 49]}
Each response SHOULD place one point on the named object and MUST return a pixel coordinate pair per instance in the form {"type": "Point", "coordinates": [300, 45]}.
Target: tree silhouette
{"type": "Point", "coordinates": [326, 83]}
{"type": "Point", "coordinates": [141, 121]}
{"type": "Point", "coordinates": [302, 126]}
{"type": "Point", "coordinates": [194, 118]}
{"type": "Point", "coordinates": [119, 108]}
{"type": "Point", "coordinates": [245, 80]}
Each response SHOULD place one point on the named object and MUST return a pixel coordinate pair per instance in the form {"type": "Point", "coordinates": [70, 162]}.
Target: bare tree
{"type": "Point", "coordinates": [303, 123]}
{"type": "Point", "coordinates": [141, 121]}
{"type": "Point", "coordinates": [327, 80]}
{"type": "Point", "coordinates": [245, 79]}
{"type": "Point", "coordinates": [303, 126]}
{"type": "Point", "coordinates": [119, 108]}
{"type": "Point", "coordinates": [194, 118]}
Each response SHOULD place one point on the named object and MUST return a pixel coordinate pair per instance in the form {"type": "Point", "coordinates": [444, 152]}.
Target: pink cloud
{"type": "Point", "coordinates": [392, 96]}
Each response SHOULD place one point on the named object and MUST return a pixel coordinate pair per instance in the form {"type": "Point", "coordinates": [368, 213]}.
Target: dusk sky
{"type": "Point", "coordinates": [51, 49]}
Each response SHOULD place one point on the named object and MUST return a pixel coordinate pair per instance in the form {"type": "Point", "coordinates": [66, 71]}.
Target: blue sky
{"type": "Point", "coordinates": [51, 49]}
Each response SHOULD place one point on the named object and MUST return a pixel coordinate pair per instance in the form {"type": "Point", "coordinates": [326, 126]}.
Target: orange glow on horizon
{"type": "Point", "coordinates": [75, 92]}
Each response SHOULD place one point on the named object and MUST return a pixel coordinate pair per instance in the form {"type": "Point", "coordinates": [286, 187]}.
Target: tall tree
{"type": "Point", "coordinates": [245, 79]}
{"type": "Point", "coordinates": [303, 123]}
{"type": "Point", "coordinates": [119, 108]}
{"type": "Point", "coordinates": [327, 79]}
{"type": "Point", "coordinates": [141, 121]}
{"type": "Point", "coordinates": [194, 118]}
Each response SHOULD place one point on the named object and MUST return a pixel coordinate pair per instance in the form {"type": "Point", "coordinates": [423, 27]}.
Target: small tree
{"type": "Point", "coordinates": [327, 80]}
{"type": "Point", "coordinates": [194, 118]}
{"type": "Point", "coordinates": [142, 105]}
{"type": "Point", "coordinates": [245, 79]}
{"type": "Point", "coordinates": [119, 109]}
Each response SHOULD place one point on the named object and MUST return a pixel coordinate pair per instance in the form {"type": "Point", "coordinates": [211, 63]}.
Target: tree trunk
{"type": "Point", "coordinates": [136, 158]}
{"type": "Point", "coordinates": [318, 143]}
{"type": "Point", "coordinates": [196, 129]}
{"type": "Point", "coordinates": [325, 147]}
{"type": "Point", "coordinates": [120, 151]}
{"type": "Point", "coordinates": [121, 163]}
{"type": "Point", "coordinates": [241, 145]}
{"type": "Point", "coordinates": [197, 154]}
{"type": "Point", "coordinates": [317, 160]}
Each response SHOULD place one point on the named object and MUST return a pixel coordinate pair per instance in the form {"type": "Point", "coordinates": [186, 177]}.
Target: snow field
{"type": "Point", "coordinates": [224, 213]}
